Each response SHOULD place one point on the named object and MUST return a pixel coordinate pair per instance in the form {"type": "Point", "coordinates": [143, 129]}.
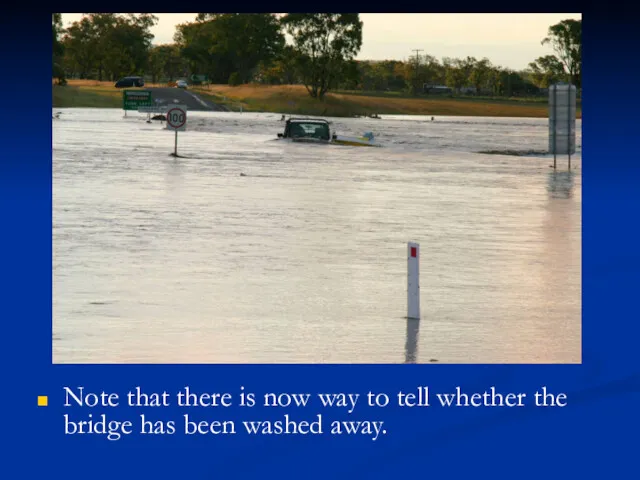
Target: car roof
{"type": "Point", "coordinates": [308, 120]}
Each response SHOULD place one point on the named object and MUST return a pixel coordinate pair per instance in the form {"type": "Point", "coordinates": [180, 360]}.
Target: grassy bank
{"type": "Point", "coordinates": [295, 100]}
{"type": "Point", "coordinates": [86, 93]}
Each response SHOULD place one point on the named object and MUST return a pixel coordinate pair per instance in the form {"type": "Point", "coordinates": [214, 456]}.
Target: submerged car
{"type": "Point", "coordinates": [130, 82]}
{"type": "Point", "coordinates": [306, 130]}
{"type": "Point", "coordinates": [318, 131]}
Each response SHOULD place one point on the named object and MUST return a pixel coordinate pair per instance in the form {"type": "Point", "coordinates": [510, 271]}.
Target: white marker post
{"type": "Point", "coordinates": [177, 121]}
{"type": "Point", "coordinates": [413, 280]}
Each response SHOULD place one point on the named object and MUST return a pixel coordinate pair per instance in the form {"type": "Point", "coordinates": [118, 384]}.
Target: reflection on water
{"type": "Point", "coordinates": [411, 345]}
{"type": "Point", "coordinates": [303, 257]}
{"type": "Point", "coordinates": [561, 184]}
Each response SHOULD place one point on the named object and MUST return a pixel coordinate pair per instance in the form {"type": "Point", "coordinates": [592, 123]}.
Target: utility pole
{"type": "Point", "coordinates": [415, 79]}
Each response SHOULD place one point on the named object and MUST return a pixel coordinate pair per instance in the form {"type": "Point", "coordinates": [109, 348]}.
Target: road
{"type": "Point", "coordinates": [168, 96]}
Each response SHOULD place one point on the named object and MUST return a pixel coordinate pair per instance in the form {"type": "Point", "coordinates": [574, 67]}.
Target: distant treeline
{"type": "Point", "coordinates": [251, 48]}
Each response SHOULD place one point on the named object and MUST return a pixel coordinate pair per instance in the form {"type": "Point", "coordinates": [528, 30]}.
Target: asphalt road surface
{"type": "Point", "coordinates": [180, 96]}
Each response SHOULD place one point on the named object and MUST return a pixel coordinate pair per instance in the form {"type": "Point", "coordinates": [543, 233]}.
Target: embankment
{"type": "Point", "coordinates": [294, 99]}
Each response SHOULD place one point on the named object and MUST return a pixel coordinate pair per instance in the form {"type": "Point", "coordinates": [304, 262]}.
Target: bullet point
{"type": "Point", "coordinates": [43, 401]}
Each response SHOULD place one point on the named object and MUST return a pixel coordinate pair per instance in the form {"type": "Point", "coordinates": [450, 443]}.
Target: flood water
{"type": "Point", "coordinates": [303, 258]}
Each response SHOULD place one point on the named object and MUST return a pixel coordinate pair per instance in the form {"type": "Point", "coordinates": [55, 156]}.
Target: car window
{"type": "Point", "coordinates": [313, 130]}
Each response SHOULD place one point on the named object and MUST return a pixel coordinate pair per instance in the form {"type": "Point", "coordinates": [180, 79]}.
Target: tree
{"type": "Point", "coordinates": [325, 43]}
{"type": "Point", "coordinates": [456, 75]}
{"type": "Point", "coordinates": [512, 83]}
{"type": "Point", "coordinates": [165, 62]}
{"type": "Point", "coordinates": [246, 39]}
{"type": "Point", "coordinates": [194, 44]}
{"type": "Point", "coordinates": [105, 57]}
{"type": "Point", "coordinates": [424, 69]}
{"type": "Point", "coordinates": [154, 64]}
{"type": "Point", "coordinates": [480, 76]}
{"type": "Point", "coordinates": [126, 44]}
{"type": "Point", "coordinates": [394, 78]}
{"type": "Point", "coordinates": [350, 79]}
{"type": "Point", "coordinates": [546, 70]}
{"type": "Point", "coordinates": [77, 52]}
{"type": "Point", "coordinates": [222, 44]}
{"type": "Point", "coordinates": [287, 61]}
{"type": "Point", "coordinates": [566, 40]}
{"type": "Point", "coordinates": [281, 70]}
{"type": "Point", "coordinates": [108, 43]}
{"type": "Point", "coordinates": [494, 83]}
{"type": "Point", "coordinates": [58, 49]}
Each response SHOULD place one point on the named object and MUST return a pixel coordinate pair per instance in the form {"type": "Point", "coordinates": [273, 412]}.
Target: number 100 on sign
{"type": "Point", "coordinates": [177, 118]}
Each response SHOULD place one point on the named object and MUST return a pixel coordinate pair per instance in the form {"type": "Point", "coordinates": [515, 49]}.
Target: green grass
{"type": "Point", "coordinates": [79, 96]}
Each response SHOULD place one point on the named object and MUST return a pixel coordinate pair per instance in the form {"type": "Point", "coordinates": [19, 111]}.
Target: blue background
{"type": "Point", "coordinates": [596, 435]}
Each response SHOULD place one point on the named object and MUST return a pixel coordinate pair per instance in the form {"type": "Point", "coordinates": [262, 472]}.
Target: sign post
{"type": "Point", "coordinates": [177, 121]}
{"type": "Point", "coordinates": [562, 120]}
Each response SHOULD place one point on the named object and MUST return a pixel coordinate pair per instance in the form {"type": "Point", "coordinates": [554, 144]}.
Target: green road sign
{"type": "Point", "coordinates": [134, 99]}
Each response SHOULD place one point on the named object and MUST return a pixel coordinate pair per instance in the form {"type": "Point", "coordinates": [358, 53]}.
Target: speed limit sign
{"type": "Point", "coordinates": [177, 118]}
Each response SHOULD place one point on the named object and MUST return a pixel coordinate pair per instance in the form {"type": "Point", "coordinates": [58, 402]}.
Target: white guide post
{"type": "Point", "coordinates": [413, 280]}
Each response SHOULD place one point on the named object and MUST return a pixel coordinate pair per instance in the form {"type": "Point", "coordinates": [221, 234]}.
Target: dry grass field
{"type": "Point", "coordinates": [294, 99]}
